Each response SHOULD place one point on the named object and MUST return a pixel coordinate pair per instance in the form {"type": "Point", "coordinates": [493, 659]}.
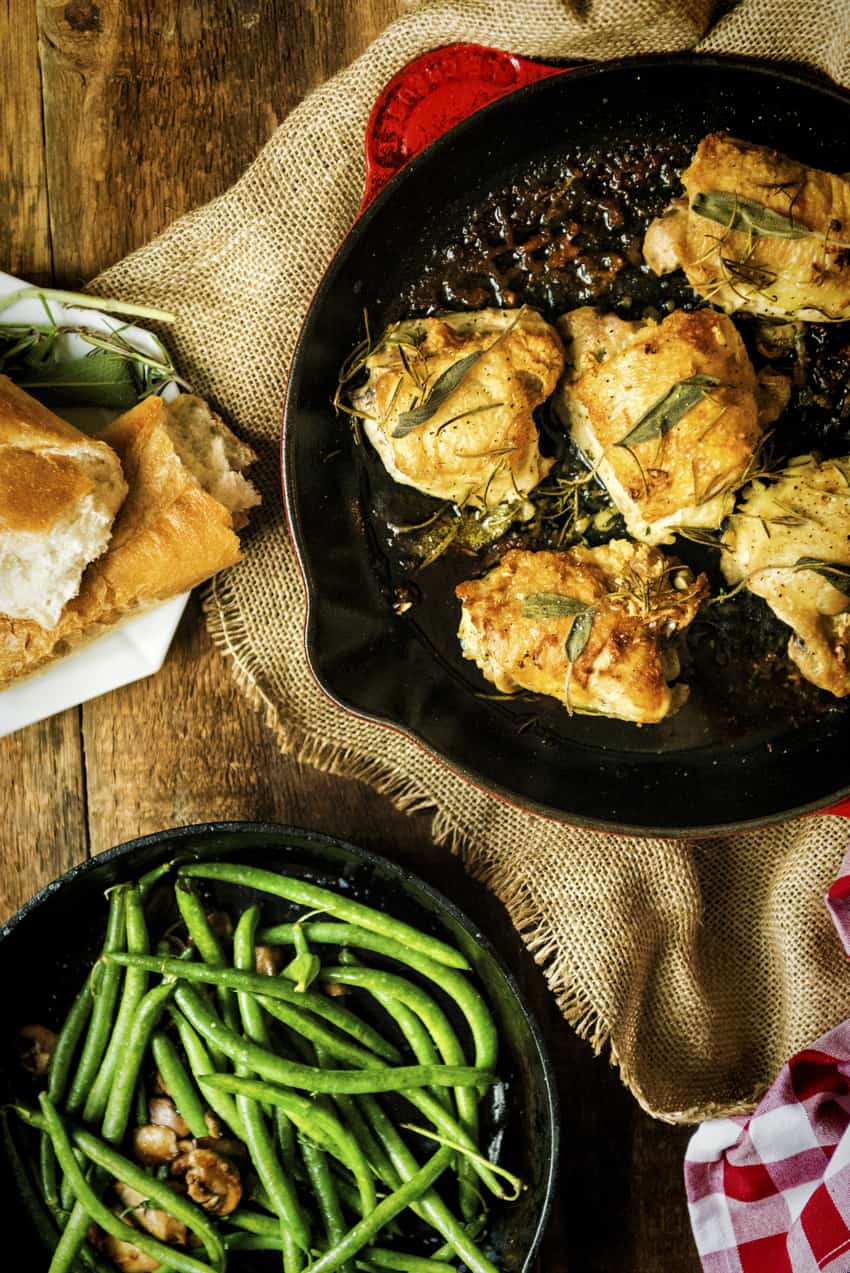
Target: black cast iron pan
{"type": "Point", "coordinates": [695, 773]}
{"type": "Point", "coordinates": [46, 949]}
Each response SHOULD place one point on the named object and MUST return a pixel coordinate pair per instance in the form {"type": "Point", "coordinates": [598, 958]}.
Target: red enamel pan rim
{"type": "Point", "coordinates": [528, 806]}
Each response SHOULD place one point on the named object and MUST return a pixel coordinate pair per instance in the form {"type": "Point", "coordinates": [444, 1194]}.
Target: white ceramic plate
{"type": "Point", "coordinates": [138, 647]}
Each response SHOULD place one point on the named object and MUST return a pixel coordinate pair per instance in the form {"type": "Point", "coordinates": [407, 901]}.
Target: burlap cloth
{"type": "Point", "coordinates": [701, 964]}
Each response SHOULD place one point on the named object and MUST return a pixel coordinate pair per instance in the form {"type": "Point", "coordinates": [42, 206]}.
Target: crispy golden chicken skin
{"type": "Point", "coordinates": [472, 382]}
{"type": "Point", "coordinates": [758, 231]}
{"type": "Point", "coordinates": [670, 414]}
{"type": "Point", "coordinates": [782, 542]}
{"type": "Point", "coordinates": [590, 627]}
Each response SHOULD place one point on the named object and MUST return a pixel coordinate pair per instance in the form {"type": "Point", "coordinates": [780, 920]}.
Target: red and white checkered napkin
{"type": "Point", "coordinates": [770, 1193]}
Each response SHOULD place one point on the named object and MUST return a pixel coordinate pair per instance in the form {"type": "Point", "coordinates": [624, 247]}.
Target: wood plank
{"type": "Point", "coordinates": [23, 185]}
{"type": "Point", "coordinates": [154, 108]}
{"type": "Point", "coordinates": [43, 831]}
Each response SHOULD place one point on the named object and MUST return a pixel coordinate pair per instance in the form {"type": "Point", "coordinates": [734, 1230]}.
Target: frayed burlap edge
{"type": "Point", "coordinates": [408, 797]}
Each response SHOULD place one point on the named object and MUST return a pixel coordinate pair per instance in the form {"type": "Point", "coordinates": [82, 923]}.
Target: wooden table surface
{"type": "Point", "coordinates": [118, 115]}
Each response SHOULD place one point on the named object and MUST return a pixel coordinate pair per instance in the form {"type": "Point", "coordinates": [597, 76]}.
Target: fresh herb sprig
{"type": "Point", "coordinates": [112, 373]}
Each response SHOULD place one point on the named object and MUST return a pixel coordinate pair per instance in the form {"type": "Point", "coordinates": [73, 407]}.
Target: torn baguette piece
{"type": "Point", "coordinates": [170, 534]}
{"type": "Point", "coordinates": [59, 493]}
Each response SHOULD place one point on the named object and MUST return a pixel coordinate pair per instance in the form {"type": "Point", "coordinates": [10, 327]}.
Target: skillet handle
{"type": "Point", "coordinates": [433, 93]}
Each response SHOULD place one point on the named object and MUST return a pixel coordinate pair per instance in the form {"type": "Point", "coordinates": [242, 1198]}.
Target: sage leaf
{"type": "Point", "coordinates": [443, 386]}
{"type": "Point", "coordinates": [579, 634]}
{"type": "Point", "coordinates": [551, 605]}
{"type": "Point", "coordinates": [98, 380]}
{"type": "Point", "coordinates": [669, 410]}
{"type": "Point", "coordinates": [736, 213]}
{"type": "Point", "coordinates": [835, 573]}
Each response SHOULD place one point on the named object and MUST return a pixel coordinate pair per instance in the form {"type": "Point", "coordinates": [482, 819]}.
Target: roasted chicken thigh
{"type": "Point", "coordinates": [758, 231]}
{"type": "Point", "coordinates": [448, 403]}
{"type": "Point", "coordinates": [669, 414]}
{"type": "Point", "coordinates": [790, 544]}
{"type": "Point", "coordinates": [591, 627]}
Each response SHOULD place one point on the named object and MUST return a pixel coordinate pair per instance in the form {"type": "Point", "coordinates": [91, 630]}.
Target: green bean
{"type": "Point", "coordinates": [135, 1032]}
{"type": "Point", "coordinates": [179, 1086]}
{"type": "Point", "coordinates": [252, 1242]}
{"type": "Point", "coordinates": [294, 1228]}
{"type": "Point", "coordinates": [66, 1195]}
{"type": "Point", "coordinates": [324, 1191]}
{"type": "Point", "coordinates": [431, 1207]}
{"type": "Point", "coordinates": [473, 1229]}
{"type": "Point", "coordinates": [391, 986]}
{"type": "Point", "coordinates": [322, 899]}
{"type": "Point", "coordinates": [292, 1223]}
{"type": "Point", "coordinates": [141, 1113]}
{"type": "Point", "coordinates": [359, 1128]}
{"type": "Point", "coordinates": [454, 984]}
{"type": "Point", "coordinates": [41, 1221]}
{"type": "Point", "coordinates": [285, 1139]}
{"type": "Point", "coordinates": [200, 1063]}
{"type": "Point", "coordinates": [310, 1029]}
{"type": "Point", "coordinates": [470, 1002]}
{"type": "Point", "coordinates": [117, 1113]}
{"type": "Point", "coordinates": [260, 984]}
{"type": "Point", "coordinates": [254, 1222]}
{"type": "Point", "coordinates": [313, 1079]}
{"type": "Point", "coordinates": [379, 1258]}
{"type": "Point", "coordinates": [170, 1256]}
{"type": "Point", "coordinates": [48, 1172]}
{"type": "Point", "coordinates": [59, 1072]}
{"type": "Point", "coordinates": [206, 942]}
{"type": "Point", "coordinates": [135, 984]}
{"type": "Point", "coordinates": [416, 1035]}
{"type": "Point", "coordinates": [127, 900]}
{"type": "Point", "coordinates": [391, 1206]}
{"type": "Point", "coordinates": [319, 1124]}
{"type": "Point", "coordinates": [413, 997]}
{"type": "Point", "coordinates": [114, 1163]}
{"type": "Point", "coordinates": [322, 1178]}
{"type": "Point", "coordinates": [151, 877]}
{"type": "Point", "coordinates": [104, 984]}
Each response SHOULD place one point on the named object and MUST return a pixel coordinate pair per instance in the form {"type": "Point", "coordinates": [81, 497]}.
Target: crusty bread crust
{"type": "Point", "coordinates": [41, 476]}
{"type": "Point", "coordinates": [168, 536]}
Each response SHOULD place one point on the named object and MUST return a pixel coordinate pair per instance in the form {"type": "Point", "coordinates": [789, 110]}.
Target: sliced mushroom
{"type": "Point", "coordinates": [268, 960]}
{"type": "Point", "coordinates": [153, 1144]}
{"type": "Point", "coordinates": [164, 1113]}
{"type": "Point", "coordinates": [229, 1146]}
{"type": "Point", "coordinates": [158, 1223]}
{"type": "Point", "coordinates": [212, 1181]}
{"type": "Point", "coordinates": [35, 1048]}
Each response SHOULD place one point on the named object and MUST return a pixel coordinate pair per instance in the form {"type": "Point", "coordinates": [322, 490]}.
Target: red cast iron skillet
{"type": "Point", "coordinates": [686, 776]}
{"type": "Point", "coordinates": [47, 947]}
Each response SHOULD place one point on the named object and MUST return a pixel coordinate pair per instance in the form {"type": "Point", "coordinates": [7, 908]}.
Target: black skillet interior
{"type": "Point", "coordinates": [690, 774]}
{"type": "Point", "coordinates": [46, 948]}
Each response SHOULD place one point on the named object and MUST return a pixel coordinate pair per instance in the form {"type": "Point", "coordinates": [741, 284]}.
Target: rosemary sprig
{"type": "Point", "coordinates": [82, 300]}
{"type": "Point", "coordinates": [113, 373]}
